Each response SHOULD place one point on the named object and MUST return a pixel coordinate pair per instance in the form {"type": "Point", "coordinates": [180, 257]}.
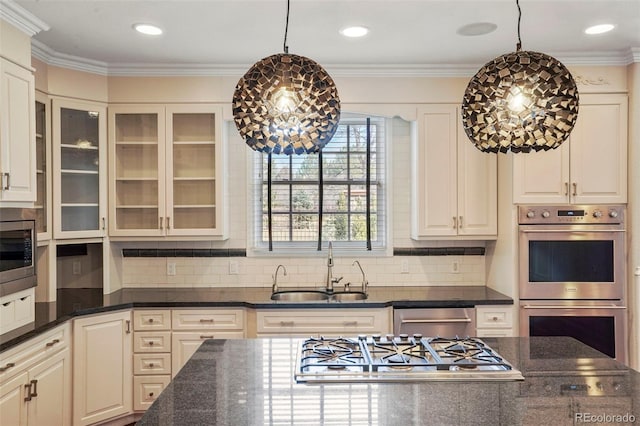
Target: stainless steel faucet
{"type": "Point", "coordinates": [365, 283]}
{"type": "Point", "coordinates": [330, 280]}
{"type": "Point", "coordinates": [274, 287]}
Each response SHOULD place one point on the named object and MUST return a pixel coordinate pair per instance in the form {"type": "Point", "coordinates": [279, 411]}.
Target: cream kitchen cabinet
{"type": "Point", "coordinates": [102, 361]}
{"type": "Point", "coordinates": [494, 320]}
{"type": "Point", "coordinates": [167, 171]}
{"type": "Point", "coordinates": [79, 168]}
{"type": "Point", "coordinates": [191, 327]}
{"type": "Point", "coordinates": [35, 381]}
{"type": "Point", "coordinates": [455, 185]}
{"type": "Point", "coordinates": [43, 166]}
{"type": "Point", "coordinates": [152, 355]}
{"type": "Point", "coordinates": [589, 168]}
{"type": "Point", "coordinates": [322, 322]}
{"type": "Point", "coordinates": [17, 136]}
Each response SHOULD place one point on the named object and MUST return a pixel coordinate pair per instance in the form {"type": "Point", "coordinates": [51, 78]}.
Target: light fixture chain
{"type": "Point", "coordinates": [286, 30]}
{"type": "Point", "coordinates": [519, 46]}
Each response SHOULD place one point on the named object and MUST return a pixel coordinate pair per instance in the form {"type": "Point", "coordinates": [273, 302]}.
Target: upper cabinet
{"type": "Point", "coordinates": [17, 136]}
{"type": "Point", "coordinates": [79, 163]}
{"type": "Point", "coordinates": [455, 185]}
{"type": "Point", "coordinates": [43, 166]}
{"type": "Point", "coordinates": [166, 171]}
{"type": "Point", "coordinates": [589, 168]}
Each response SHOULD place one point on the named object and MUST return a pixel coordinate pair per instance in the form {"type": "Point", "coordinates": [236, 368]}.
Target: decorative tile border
{"type": "Point", "coordinates": [439, 251]}
{"type": "Point", "coordinates": [397, 251]}
{"type": "Point", "coordinates": [184, 252]}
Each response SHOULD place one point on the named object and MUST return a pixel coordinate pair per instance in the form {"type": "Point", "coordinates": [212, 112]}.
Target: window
{"type": "Point", "coordinates": [323, 197]}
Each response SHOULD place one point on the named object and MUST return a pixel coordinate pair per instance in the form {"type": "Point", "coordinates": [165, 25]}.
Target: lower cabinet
{"type": "Point", "coordinates": [35, 381]}
{"type": "Point", "coordinates": [494, 320]}
{"type": "Point", "coordinates": [191, 327]}
{"type": "Point", "coordinates": [102, 353]}
{"type": "Point", "coordinates": [325, 322]}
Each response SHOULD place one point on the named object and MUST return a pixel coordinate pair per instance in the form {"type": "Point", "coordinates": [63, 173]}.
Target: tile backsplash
{"type": "Point", "coordinates": [302, 272]}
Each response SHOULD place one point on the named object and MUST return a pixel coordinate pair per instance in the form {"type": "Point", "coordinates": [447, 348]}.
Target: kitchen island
{"type": "Point", "coordinates": [252, 382]}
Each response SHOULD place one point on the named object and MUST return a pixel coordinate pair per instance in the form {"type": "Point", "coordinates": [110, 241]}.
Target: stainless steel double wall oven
{"type": "Point", "coordinates": [573, 274]}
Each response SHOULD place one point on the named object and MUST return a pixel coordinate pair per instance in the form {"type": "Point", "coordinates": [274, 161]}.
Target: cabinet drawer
{"type": "Point", "coordinates": [494, 316]}
{"type": "Point", "coordinates": [146, 390]}
{"type": "Point", "coordinates": [322, 321]}
{"type": "Point", "coordinates": [34, 350]}
{"type": "Point", "coordinates": [152, 341]}
{"type": "Point", "coordinates": [151, 320]}
{"type": "Point", "coordinates": [152, 363]}
{"type": "Point", "coordinates": [494, 332]}
{"type": "Point", "coordinates": [218, 319]}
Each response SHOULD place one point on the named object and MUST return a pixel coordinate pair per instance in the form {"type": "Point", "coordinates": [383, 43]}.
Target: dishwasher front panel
{"type": "Point", "coordinates": [432, 322]}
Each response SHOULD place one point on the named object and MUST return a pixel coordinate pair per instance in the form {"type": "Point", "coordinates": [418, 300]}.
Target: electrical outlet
{"type": "Point", "coordinates": [455, 267]}
{"type": "Point", "coordinates": [233, 267]}
{"type": "Point", "coordinates": [77, 267]}
{"type": "Point", "coordinates": [404, 266]}
{"type": "Point", "coordinates": [171, 268]}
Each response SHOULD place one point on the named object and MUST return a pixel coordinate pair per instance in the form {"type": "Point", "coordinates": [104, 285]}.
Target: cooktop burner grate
{"type": "Point", "coordinates": [400, 358]}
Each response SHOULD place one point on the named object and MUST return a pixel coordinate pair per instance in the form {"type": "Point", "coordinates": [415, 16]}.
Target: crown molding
{"type": "Point", "coordinates": [20, 18]}
{"type": "Point", "coordinates": [52, 57]}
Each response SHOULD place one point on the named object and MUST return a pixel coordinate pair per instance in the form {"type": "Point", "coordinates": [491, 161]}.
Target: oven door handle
{"type": "Point", "coordinates": [550, 231]}
{"type": "Point", "coordinates": [432, 321]}
{"type": "Point", "coordinates": [574, 307]}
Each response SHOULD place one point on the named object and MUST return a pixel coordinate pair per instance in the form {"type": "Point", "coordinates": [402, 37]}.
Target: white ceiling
{"type": "Point", "coordinates": [412, 36]}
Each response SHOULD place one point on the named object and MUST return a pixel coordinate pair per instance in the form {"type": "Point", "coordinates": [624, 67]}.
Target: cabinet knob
{"type": "Point", "coordinates": [150, 320]}
{"type": "Point", "coordinates": [151, 343]}
{"type": "Point", "coordinates": [151, 394]}
{"type": "Point", "coordinates": [151, 365]}
{"type": "Point", "coordinates": [494, 318]}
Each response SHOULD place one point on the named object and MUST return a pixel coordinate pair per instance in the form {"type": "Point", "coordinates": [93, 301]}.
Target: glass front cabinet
{"type": "Point", "coordinates": [43, 167]}
{"type": "Point", "coordinates": [79, 161]}
{"type": "Point", "coordinates": [166, 170]}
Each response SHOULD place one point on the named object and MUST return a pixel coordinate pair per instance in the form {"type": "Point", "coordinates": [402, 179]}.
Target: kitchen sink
{"type": "Point", "coordinates": [297, 296]}
{"type": "Point", "coordinates": [348, 296]}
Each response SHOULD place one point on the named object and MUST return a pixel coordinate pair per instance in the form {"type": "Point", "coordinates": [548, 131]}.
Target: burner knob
{"type": "Point", "coordinates": [417, 336]}
{"type": "Point", "coordinates": [547, 387]}
{"type": "Point", "coordinates": [530, 214]}
{"type": "Point", "coordinates": [546, 214]}
{"type": "Point", "coordinates": [599, 385]}
{"type": "Point", "coordinates": [376, 337]}
{"type": "Point", "coordinates": [613, 213]}
{"type": "Point", "coordinates": [390, 337]}
{"type": "Point", "coordinates": [404, 337]}
{"type": "Point", "coordinates": [362, 337]}
{"type": "Point", "coordinates": [597, 214]}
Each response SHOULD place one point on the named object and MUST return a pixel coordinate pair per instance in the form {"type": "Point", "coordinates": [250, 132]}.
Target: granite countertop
{"type": "Point", "coordinates": [251, 382]}
{"type": "Point", "coordinates": [76, 302]}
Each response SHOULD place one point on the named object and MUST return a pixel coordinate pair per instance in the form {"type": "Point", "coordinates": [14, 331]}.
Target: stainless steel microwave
{"type": "Point", "coordinates": [17, 250]}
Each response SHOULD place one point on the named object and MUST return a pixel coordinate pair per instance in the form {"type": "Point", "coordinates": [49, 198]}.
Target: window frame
{"type": "Point", "coordinates": [381, 247]}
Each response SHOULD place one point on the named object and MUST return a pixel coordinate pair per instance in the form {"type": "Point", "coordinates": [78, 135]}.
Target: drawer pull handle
{"type": "Point", "coordinates": [7, 303]}
{"type": "Point", "coordinates": [350, 323]}
{"type": "Point", "coordinates": [434, 321]}
{"type": "Point", "coordinates": [286, 323]}
{"type": "Point", "coordinates": [53, 342]}
{"type": "Point", "coordinates": [206, 319]}
{"type": "Point", "coordinates": [35, 388]}
{"type": "Point", "coordinates": [207, 336]}
{"type": "Point", "coordinates": [128, 325]}
{"type": "Point", "coordinates": [32, 390]}
{"type": "Point", "coordinates": [7, 366]}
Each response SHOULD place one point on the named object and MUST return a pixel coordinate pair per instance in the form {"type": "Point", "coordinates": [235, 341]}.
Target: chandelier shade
{"type": "Point", "coordinates": [520, 102]}
{"type": "Point", "coordinates": [286, 104]}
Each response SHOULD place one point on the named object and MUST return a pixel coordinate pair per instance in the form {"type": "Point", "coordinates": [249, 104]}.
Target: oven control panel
{"type": "Point", "coordinates": [579, 214]}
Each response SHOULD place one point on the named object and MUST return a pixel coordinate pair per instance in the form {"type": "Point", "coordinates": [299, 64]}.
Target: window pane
{"type": "Point", "coordinates": [335, 198]}
{"type": "Point", "coordinates": [358, 198]}
{"type": "Point", "coordinates": [305, 167]}
{"type": "Point", "coordinates": [305, 227]}
{"type": "Point", "coordinates": [304, 198]}
{"type": "Point", "coordinates": [279, 198]}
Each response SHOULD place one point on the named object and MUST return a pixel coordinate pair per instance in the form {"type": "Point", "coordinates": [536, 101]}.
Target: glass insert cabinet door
{"type": "Point", "coordinates": [43, 167]}
{"type": "Point", "coordinates": [79, 169]}
{"type": "Point", "coordinates": [166, 168]}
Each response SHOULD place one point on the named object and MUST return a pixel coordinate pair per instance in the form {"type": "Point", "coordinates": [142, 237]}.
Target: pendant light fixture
{"type": "Point", "coordinates": [286, 104]}
{"type": "Point", "coordinates": [520, 102]}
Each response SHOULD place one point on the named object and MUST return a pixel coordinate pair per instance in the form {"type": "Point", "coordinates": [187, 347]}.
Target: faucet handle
{"type": "Point", "coordinates": [336, 280]}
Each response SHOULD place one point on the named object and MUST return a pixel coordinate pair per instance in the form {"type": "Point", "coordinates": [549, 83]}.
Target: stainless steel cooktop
{"type": "Point", "coordinates": [399, 358]}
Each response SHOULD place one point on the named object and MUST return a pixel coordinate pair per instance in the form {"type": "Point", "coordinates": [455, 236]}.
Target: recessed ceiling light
{"type": "Point", "coordinates": [599, 29]}
{"type": "Point", "coordinates": [355, 31]}
{"type": "Point", "coordinates": [477, 28]}
{"type": "Point", "coordinates": [147, 29]}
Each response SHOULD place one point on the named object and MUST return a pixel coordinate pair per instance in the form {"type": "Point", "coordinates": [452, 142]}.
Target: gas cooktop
{"type": "Point", "coordinates": [399, 358]}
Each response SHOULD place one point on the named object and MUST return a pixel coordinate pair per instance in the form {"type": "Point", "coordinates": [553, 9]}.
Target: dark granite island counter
{"type": "Point", "coordinates": [251, 382]}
